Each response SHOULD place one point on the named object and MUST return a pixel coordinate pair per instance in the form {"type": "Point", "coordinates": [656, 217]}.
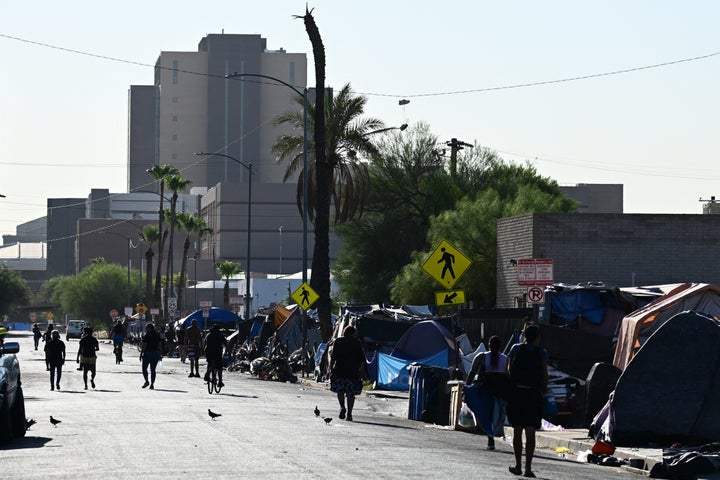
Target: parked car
{"type": "Point", "coordinates": [12, 400]}
{"type": "Point", "coordinates": [75, 328]}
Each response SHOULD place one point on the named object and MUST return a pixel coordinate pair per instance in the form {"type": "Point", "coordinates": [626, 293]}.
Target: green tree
{"type": "Point", "coordinates": [14, 291]}
{"type": "Point", "coordinates": [191, 225]}
{"type": "Point", "coordinates": [227, 270]}
{"type": "Point", "coordinates": [176, 184]}
{"type": "Point", "coordinates": [159, 173]}
{"type": "Point", "coordinates": [150, 235]}
{"type": "Point", "coordinates": [92, 293]}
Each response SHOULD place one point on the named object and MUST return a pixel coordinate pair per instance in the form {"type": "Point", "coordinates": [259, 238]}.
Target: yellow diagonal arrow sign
{"type": "Point", "coordinates": [450, 297]}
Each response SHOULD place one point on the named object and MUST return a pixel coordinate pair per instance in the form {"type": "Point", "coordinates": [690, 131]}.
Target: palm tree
{"type": "Point", "coordinates": [150, 235]}
{"type": "Point", "coordinates": [175, 183]}
{"type": "Point", "coordinates": [228, 269]}
{"type": "Point", "coordinates": [192, 225]}
{"type": "Point", "coordinates": [347, 135]}
{"type": "Point", "coordinates": [159, 173]}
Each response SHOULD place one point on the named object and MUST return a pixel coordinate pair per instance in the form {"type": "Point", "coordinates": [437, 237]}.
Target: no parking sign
{"type": "Point", "coordinates": [535, 294]}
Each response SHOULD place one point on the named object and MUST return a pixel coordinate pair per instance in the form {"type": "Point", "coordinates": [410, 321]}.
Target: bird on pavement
{"type": "Point", "coordinates": [29, 423]}
{"type": "Point", "coordinates": [327, 420]}
{"type": "Point", "coordinates": [316, 411]}
{"type": "Point", "coordinates": [54, 421]}
{"type": "Point", "coordinates": [213, 415]}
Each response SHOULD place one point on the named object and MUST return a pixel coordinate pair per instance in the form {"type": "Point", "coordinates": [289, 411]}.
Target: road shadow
{"type": "Point", "coordinates": [388, 425]}
{"type": "Point", "coordinates": [170, 390]}
{"type": "Point", "coordinates": [236, 395]}
{"type": "Point", "coordinates": [386, 395]}
{"type": "Point", "coordinates": [26, 442]}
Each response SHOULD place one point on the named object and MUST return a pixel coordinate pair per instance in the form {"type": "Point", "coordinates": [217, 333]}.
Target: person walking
{"type": "Point", "coordinates": [493, 378]}
{"type": "Point", "coordinates": [527, 368]}
{"type": "Point", "coordinates": [118, 337]}
{"type": "Point", "coordinates": [346, 363]}
{"type": "Point", "coordinates": [215, 345]}
{"type": "Point", "coordinates": [193, 347]}
{"type": "Point", "coordinates": [150, 354]}
{"type": "Point", "coordinates": [46, 337]}
{"type": "Point", "coordinates": [55, 353]}
{"type": "Point", "coordinates": [37, 334]}
{"type": "Point", "coordinates": [86, 356]}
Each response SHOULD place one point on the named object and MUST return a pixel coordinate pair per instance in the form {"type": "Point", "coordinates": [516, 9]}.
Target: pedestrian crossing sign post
{"type": "Point", "coordinates": [446, 264]}
{"type": "Point", "coordinates": [450, 297]}
{"type": "Point", "coordinates": [305, 296]}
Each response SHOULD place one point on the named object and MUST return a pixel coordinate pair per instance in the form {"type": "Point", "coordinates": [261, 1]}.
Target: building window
{"type": "Point", "coordinates": [174, 137]}
{"type": "Point", "coordinates": [174, 118]}
{"type": "Point", "coordinates": [175, 72]}
{"type": "Point", "coordinates": [174, 156]}
{"type": "Point", "coordinates": [174, 99]}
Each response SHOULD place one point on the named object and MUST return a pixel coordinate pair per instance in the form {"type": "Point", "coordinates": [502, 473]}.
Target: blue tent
{"type": "Point", "coordinates": [425, 339]}
{"type": "Point", "coordinates": [218, 315]}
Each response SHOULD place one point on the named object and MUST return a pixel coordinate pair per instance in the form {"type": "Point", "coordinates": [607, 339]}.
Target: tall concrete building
{"type": "Point", "coordinates": [193, 107]}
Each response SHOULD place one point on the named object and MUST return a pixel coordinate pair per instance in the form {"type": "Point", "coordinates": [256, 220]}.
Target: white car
{"type": "Point", "coordinates": [74, 329]}
{"type": "Point", "coordinates": [12, 401]}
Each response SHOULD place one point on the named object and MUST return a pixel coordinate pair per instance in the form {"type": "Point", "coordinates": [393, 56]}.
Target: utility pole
{"type": "Point", "coordinates": [455, 145]}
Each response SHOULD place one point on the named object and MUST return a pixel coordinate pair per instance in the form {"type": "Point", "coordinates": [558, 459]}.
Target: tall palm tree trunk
{"type": "Point", "coordinates": [149, 254]}
{"type": "Point", "coordinates": [320, 280]}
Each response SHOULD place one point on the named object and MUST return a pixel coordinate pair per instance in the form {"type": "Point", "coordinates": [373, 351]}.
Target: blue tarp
{"type": "Point", "coordinates": [216, 315]}
{"type": "Point", "coordinates": [393, 373]}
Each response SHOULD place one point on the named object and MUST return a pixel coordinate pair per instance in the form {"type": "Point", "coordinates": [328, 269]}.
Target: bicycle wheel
{"type": "Point", "coordinates": [211, 381]}
{"type": "Point", "coordinates": [216, 384]}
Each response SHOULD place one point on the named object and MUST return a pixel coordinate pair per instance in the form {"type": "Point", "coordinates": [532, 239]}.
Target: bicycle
{"type": "Point", "coordinates": [118, 351]}
{"type": "Point", "coordinates": [213, 379]}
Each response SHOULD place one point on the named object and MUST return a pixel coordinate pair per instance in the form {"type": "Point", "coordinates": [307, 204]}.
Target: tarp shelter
{"type": "Point", "coordinates": [290, 333]}
{"type": "Point", "coordinates": [670, 390]}
{"type": "Point", "coordinates": [638, 326]}
{"type": "Point", "coordinates": [393, 374]}
{"type": "Point", "coordinates": [216, 315]}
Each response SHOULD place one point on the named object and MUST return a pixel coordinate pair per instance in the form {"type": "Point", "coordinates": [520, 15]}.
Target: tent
{"type": "Point", "coordinates": [224, 318]}
{"type": "Point", "coordinates": [393, 373]}
{"type": "Point", "coordinates": [670, 390]}
{"type": "Point", "coordinates": [639, 325]}
{"type": "Point", "coordinates": [425, 339]}
{"type": "Point", "coordinates": [290, 333]}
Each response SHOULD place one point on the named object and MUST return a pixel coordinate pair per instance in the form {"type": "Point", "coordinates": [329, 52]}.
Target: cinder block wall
{"type": "Point", "coordinates": [618, 249]}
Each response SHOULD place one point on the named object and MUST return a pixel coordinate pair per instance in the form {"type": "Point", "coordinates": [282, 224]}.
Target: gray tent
{"type": "Point", "coordinates": [670, 390]}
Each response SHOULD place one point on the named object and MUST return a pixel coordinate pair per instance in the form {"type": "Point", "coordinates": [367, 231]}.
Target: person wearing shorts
{"type": "Point", "coordinates": [346, 365]}
{"type": "Point", "coordinates": [87, 357]}
{"type": "Point", "coordinates": [193, 347]}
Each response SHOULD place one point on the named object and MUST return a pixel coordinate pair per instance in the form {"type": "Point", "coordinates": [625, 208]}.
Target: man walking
{"type": "Point", "coordinates": [528, 373]}
{"type": "Point", "coordinates": [193, 347]}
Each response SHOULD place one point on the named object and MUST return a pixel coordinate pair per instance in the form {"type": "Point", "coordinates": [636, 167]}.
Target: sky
{"type": "Point", "coordinates": [622, 92]}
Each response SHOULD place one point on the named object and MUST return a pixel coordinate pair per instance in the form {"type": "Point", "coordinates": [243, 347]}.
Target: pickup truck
{"type": "Point", "coordinates": [12, 401]}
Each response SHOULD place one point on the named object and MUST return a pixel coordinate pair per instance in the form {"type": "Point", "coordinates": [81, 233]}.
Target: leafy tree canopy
{"type": "Point", "coordinates": [14, 291]}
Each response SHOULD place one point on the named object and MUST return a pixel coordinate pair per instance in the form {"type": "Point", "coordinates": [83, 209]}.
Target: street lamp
{"type": "Point", "coordinates": [248, 166]}
{"type": "Point", "coordinates": [280, 230]}
{"type": "Point", "coordinates": [194, 258]}
{"type": "Point", "coordinates": [129, 246]}
{"type": "Point", "coordinates": [303, 94]}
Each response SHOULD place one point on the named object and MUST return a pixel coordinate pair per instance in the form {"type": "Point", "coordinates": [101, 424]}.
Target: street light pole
{"type": "Point", "coordinates": [304, 95]}
{"type": "Point", "coordinates": [249, 168]}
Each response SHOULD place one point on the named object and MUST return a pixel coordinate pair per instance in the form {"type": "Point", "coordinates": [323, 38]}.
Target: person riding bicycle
{"type": "Point", "coordinates": [215, 344]}
{"type": "Point", "coordinates": [118, 337]}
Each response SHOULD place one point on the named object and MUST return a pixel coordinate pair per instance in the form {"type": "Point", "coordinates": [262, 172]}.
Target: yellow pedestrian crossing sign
{"type": "Point", "coordinates": [450, 297]}
{"type": "Point", "coordinates": [446, 264]}
{"type": "Point", "coordinates": [305, 296]}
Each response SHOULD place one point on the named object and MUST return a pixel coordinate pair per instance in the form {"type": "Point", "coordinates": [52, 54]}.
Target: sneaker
{"type": "Point", "coordinates": [342, 413]}
{"type": "Point", "coordinates": [349, 417]}
{"type": "Point", "coordinates": [145, 384]}
{"type": "Point", "coordinates": [197, 375]}
{"type": "Point", "coordinates": [221, 384]}
{"type": "Point", "coordinates": [207, 377]}
{"type": "Point", "coordinates": [85, 387]}
{"type": "Point", "coordinates": [491, 443]}
{"type": "Point", "coordinates": [57, 386]}
{"type": "Point", "coordinates": [52, 388]}
{"type": "Point", "coordinates": [92, 382]}
{"type": "Point", "coordinates": [529, 474]}
{"type": "Point", "coordinates": [152, 387]}
{"type": "Point", "coordinates": [191, 375]}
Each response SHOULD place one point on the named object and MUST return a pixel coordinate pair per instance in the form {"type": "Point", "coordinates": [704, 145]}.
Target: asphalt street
{"type": "Point", "coordinates": [267, 430]}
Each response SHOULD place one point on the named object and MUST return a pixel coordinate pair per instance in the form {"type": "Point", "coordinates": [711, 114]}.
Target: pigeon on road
{"type": "Point", "coordinates": [316, 411]}
{"type": "Point", "coordinates": [54, 421]}
{"type": "Point", "coordinates": [213, 415]}
{"type": "Point", "coordinates": [327, 420]}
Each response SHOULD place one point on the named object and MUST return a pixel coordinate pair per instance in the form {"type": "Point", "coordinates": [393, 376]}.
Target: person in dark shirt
{"type": "Point", "coordinates": [193, 347]}
{"type": "Point", "coordinates": [346, 363]}
{"type": "Point", "coordinates": [46, 337]}
{"type": "Point", "coordinates": [215, 345]}
{"type": "Point", "coordinates": [37, 334]}
{"type": "Point", "coordinates": [55, 353]}
{"type": "Point", "coordinates": [151, 354]}
{"type": "Point", "coordinates": [86, 356]}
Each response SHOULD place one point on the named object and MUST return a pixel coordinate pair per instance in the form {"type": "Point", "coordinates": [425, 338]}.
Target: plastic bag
{"type": "Point", "coordinates": [466, 419]}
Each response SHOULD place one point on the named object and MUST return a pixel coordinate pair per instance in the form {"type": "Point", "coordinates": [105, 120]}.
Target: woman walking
{"type": "Point", "coordinates": [86, 355]}
{"type": "Point", "coordinates": [151, 354]}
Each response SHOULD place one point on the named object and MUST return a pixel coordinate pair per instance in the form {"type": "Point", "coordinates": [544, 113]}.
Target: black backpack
{"type": "Point", "coordinates": [526, 366]}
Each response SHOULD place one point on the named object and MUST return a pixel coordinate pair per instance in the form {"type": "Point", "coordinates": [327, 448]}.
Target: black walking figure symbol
{"type": "Point", "coordinates": [449, 259]}
{"type": "Point", "coordinates": [305, 296]}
